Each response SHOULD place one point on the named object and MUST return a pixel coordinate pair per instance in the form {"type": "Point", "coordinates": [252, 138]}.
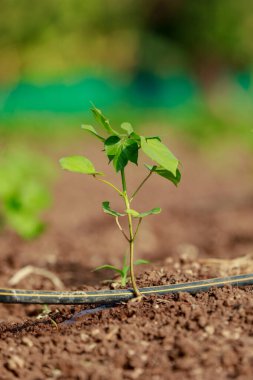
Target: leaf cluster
{"type": "Point", "coordinates": [122, 147]}
{"type": "Point", "coordinates": [23, 191]}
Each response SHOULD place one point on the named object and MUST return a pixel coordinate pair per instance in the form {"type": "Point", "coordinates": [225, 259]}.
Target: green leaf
{"type": "Point", "coordinates": [92, 130]}
{"type": "Point", "coordinates": [121, 150]}
{"type": "Point", "coordinates": [153, 211]}
{"type": "Point", "coordinates": [125, 261]}
{"type": "Point", "coordinates": [141, 261]}
{"type": "Point", "coordinates": [134, 136]}
{"type": "Point", "coordinates": [125, 267]}
{"type": "Point", "coordinates": [103, 121]}
{"type": "Point", "coordinates": [136, 214]}
{"type": "Point", "coordinates": [125, 271]}
{"type": "Point", "coordinates": [127, 127]}
{"type": "Point", "coordinates": [153, 138]}
{"type": "Point", "coordinates": [165, 173]}
{"type": "Point", "coordinates": [108, 210]}
{"type": "Point", "coordinates": [132, 212]}
{"type": "Point", "coordinates": [112, 146]}
{"type": "Point", "coordinates": [109, 267]}
{"type": "Point", "coordinates": [130, 149]}
{"type": "Point", "coordinates": [159, 153]}
{"type": "Point", "coordinates": [78, 164]}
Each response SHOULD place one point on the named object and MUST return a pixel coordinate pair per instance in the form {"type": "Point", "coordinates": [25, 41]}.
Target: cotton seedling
{"type": "Point", "coordinates": [121, 148]}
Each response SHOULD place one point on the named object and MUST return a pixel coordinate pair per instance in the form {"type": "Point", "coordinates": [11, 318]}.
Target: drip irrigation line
{"type": "Point", "coordinates": [114, 296]}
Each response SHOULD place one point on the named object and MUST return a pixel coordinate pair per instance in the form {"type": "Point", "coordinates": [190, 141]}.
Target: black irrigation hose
{"type": "Point", "coordinates": [114, 296]}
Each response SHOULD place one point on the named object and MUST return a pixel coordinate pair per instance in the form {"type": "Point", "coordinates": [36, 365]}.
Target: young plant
{"type": "Point", "coordinates": [24, 194]}
{"type": "Point", "coordinates": [124, 272]}
{"type": "Point", "coordinates": [121, 148]}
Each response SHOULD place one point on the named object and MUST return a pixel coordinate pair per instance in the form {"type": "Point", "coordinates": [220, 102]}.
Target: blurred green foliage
{"type": "Point", "coordinates": [52, 37]}
{"type": "Point", "coordinates": [186, 62]}
{"type": "Point", "coordinates": [24, 193]}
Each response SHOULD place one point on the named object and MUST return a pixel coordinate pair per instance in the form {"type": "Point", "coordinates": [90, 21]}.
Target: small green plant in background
{"type": "Point", "coordinates": [122, 147]}
{"type": "Point", "coordinates": [24, 193]}
{"type": "Point", "coordinates": [124, 272]}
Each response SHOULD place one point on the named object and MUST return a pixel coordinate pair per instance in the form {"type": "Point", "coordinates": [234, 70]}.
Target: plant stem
{"type": "Point", "coordinates": [109, 184]}
{"type": "Point", "coordinates": [137, 228]}
{"type": "Point", "coordinates": [140, 186]}
{"type": "Point", "coordinates": [120, 228]}
{"type": "Point", "coordinates": [123, 180]}
{"type": "Point", "coordinates": [131, 235]}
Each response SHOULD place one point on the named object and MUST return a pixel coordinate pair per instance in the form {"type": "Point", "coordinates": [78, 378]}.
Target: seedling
{"type": "Point", "coordinates": [45, 313]}
{"type": "Point", "coordinates": [124, 272]}
{"type": "Point", "coordinates": [24, 193]}
{"type": "Point", "coordinates": [121, 148]}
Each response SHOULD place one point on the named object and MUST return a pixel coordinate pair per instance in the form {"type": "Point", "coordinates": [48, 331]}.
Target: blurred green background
{"type": "Point", "coordinates": [186, 63]}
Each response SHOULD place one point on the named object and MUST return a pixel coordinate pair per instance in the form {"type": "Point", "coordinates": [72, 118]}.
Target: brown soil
{"type": "Point", "coordinates": [172, 337]}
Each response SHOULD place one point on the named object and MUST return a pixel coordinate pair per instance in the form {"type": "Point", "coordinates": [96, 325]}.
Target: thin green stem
{"type": "Point", "coordinates": [120, 228]}
{"type": "Point", "coordinates": [123, 180]}
{"type": "Point", "coordinates": [109, 184]}
{"type": "Point", "coordinates": [137, 228]}
{"type": "Point", "coordinates": [131, 235]}
{"type": "Point", "coordinates": [140, 186]}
